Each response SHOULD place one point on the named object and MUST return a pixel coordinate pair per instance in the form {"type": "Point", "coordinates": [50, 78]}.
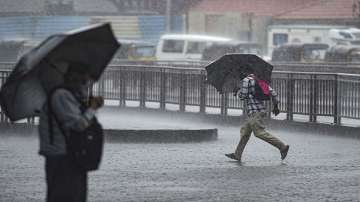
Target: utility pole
{"type": "Point", "coordinates": [168, 15]}
{"type": "Point", "coordinates": [250, 25]}
{"type": "Point", "coordinates": [356, 12]}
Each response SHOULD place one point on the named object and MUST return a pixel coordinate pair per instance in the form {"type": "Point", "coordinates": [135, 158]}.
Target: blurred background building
{"type": "Point", "coordinates": [272, 23]}
{"type": "Point", "coordinates": [135, 19]}
{"type": "Point", "coordinates": [267, 23]}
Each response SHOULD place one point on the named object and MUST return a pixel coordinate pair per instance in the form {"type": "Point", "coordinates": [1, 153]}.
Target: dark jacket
{"type": "Point", "coordinates": [66, 107]}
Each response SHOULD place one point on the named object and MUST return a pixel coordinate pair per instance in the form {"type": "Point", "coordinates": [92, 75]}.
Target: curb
{"type": "Point", "coordinates": [161, 136]}
{"type": "Point", "coordinates": [128, 136]}
{"type": "Point", "coordinates": [272, 124]}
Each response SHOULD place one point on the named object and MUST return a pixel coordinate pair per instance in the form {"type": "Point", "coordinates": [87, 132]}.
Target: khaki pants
{"type": "Point", "coordinates": [255, 123]}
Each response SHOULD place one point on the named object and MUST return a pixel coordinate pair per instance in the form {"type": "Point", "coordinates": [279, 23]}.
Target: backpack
{"type": "Point", "coordinates": [262, 90]}
{"type": "Point", "coordinates": [86, 147]}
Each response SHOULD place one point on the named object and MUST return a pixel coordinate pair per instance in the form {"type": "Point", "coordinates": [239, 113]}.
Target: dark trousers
{"type": "Point", "coordinates": [65, 182]}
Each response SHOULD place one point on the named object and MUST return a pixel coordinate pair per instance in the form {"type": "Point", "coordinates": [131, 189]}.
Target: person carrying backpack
{"type": "Point", "coordinates": [255, 92]}
{"type": "Point", "coordinates": [66, 112]}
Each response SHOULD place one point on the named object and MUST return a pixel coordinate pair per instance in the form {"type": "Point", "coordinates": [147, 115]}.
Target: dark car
{"type": "Point", "coordinates": [217, 50]}
{"type": "Point", "coordinates": [341, 53]}
{"type": "Point", "coordinates": [307, 52]}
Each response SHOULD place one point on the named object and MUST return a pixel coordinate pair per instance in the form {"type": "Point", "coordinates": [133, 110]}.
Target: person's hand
{"type": "Point", "coordinates": [276, 110]}
{"type": "Point", "coordinates": [96, 102]}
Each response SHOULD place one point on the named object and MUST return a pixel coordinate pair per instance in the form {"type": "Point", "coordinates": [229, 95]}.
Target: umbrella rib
{"type": "Point", "coordinates": [53, 66]}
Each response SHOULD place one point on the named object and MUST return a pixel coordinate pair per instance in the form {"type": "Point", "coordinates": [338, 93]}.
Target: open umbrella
{"type": "Point", "coordinates": [226, 73]}
{"type": "Point", "coordinates": [43, 68]}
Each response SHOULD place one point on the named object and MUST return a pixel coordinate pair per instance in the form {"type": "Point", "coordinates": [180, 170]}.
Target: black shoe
{"type": "Point", "coordinates": [284, 152]}
{"type": "Point", "coordinates": [232, 156]}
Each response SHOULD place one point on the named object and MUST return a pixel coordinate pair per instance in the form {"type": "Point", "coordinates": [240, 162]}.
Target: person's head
{"type": "Point", "coordinates": [77, 77]}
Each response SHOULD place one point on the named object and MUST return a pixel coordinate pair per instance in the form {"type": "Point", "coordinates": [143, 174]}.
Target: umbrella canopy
{"type": "Point", "coordinates": [44, 67]}
{"type": "Point", "coordinates": [226, 73]}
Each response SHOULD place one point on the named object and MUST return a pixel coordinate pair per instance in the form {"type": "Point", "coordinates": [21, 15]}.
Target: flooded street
{"type": "Point", "coordinates": [318, 168]}
{"type": "Point", "coordinates": [171, 82]}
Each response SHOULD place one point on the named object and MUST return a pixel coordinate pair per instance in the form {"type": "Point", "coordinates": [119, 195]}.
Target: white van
{"type": "Point", "coordinates": [184, 47]}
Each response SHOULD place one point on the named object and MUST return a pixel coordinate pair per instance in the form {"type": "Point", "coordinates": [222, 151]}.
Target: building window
{"type": "Point", "coordinates": [280, 38]}
{"type": "Point", "coordinates": [60, 6]}
{"type": "Point", "coordinates": [141, 6]}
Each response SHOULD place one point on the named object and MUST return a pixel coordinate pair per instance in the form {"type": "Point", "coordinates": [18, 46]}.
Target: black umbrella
{"type": "Point", "coordinates": [43, 68]}
{"type": "Point", "coordinates": [226, 73]}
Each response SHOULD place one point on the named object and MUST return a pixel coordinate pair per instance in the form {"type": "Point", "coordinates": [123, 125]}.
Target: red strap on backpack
{"type": "Point", "coordinates": [264, 86]}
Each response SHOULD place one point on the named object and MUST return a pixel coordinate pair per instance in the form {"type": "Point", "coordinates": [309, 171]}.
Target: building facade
{"type": "Point", "coordinates": [249, 20]}
{"type": "Point", "coordinates": [131, 19]}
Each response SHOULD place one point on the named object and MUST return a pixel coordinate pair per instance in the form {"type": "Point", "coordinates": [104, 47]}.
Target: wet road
{"type": "Point", "coordinates": [318, 167]}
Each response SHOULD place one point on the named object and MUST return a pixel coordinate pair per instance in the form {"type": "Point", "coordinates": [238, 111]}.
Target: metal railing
{"type": "Point", "coordinates": [312, 94]}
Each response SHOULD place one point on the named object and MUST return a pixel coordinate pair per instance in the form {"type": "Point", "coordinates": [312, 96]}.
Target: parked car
{"type": "Point", "coordinates": [214, 51]}
{"type": "Point", "coordinates": [307, 52]}
{"type": "Point", "coordinates": [343, 53]}
{"type": "Point", "coordinates": [185, 47]}
{"type": "Point", "coordinates": [135, 50]}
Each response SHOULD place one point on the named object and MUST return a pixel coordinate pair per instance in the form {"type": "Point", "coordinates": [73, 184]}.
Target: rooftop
{"type": "Point", "coordinates": [322, 9]}
{"type": "Point", "coordinates": [258, 7]}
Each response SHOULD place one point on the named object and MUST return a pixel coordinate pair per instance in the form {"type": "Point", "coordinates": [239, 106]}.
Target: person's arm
{"type": "Point", "coordinates": [67, 111]}
{"type": "Point", "coordinates": [274, 95]}
{"type": "Point", "coordinates": [275, 101]}
{"type": "Point", "coordinates": [244, 90]}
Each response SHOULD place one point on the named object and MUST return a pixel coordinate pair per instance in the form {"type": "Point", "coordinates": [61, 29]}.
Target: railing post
{"type": "Point", "coordinates": [101, 87]}
{"type": "Point", "coordinates": [224, 103]}
{"type": "Point", "coordinates": [4, 77]}
{"type": "Point", "coordinates": [122, 100]}
{"type": "Point", "coordinates": [290, 97]}
{"type": "Point", "coordinates": [162, 89]}
{"type": "Point", "coordinates": [202, 93]}
{"type": "Point", "coordinates": [182, 92]}
{"type": "Point", "coordinates": [269, 106]}
{"type": "Point", "coordinates": [313, 98]}
{"type": "Point", "coordinates": [2, 116]}
{"type": "Point", "coordinates": [142, 89]}
{"type": "Point", "coordinates": [337, 104]}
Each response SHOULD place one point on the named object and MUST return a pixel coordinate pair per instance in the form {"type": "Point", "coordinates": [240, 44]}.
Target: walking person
{"type": "Point", "coordinates": [256, 112]}
{"type": "Point", "coordinates": [65, 111]}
